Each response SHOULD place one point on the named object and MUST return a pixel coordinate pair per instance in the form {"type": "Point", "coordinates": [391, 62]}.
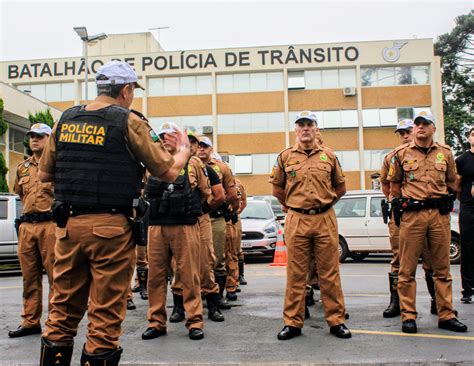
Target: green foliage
{"type": "Point", "coordinates": [3, 164]}
{"type": "Point", "coordinates": [456, 50]}
{"type": "Point", "coordinates": [39, 117]}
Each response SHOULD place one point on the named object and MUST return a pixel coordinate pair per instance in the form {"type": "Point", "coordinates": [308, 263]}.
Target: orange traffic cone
{"type": "Point", "coordinates": [279, 259]}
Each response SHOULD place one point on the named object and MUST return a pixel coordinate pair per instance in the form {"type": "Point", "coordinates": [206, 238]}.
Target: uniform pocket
{"type": "Point", "coordinates": [411, 171]}
{"type": "Point", "coordinates": [61, 233]}
{"type": "Point", "coordinates": [294, 172]}
{"type": "Point", "coordinates": [108, 232]}
{"type": "Point", "coordinates": [441, 172]}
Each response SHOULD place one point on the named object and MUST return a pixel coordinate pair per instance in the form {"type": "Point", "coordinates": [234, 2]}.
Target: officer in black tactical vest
{"type": "Point", "coordinates": [95, 157]}
{"type": "Point", "coordinates": [174, 231]}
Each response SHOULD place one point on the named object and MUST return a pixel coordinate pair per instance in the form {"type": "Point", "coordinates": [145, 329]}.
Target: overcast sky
{"type": "Point", "coordinates": [43, 29]}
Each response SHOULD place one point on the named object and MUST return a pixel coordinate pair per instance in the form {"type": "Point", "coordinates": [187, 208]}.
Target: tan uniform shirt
{"type": "Point", "coordinates": [308, 179]}
{"type": "Point", "coordinates": [141, 140]}
{"type": "Point", "coordinates": [385, 169]}
{"type": "Point", "coordinates": [224, 173]}
{"type": "Point", "coordinates": [37, 197]}
{"type": "Point", "coordinates": [423, 176]}
{"type": "Point", "coordinates": [198, 177]}
{"type": "Point", "coordinates": [241, 194]}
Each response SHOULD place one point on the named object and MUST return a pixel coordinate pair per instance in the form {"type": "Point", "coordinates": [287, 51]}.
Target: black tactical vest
{"type": "Point", "coordinates": [173, 203]}
{"type": "Point", "coordinates": [93, 165]}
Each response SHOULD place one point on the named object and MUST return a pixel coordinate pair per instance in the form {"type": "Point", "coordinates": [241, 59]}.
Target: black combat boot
{"type": "Point", "coordinates": [213, 308]}
{"type": "Point", "coordinates": [53, 355]}
{"type": "Point", "coordinates": [178, 313]}
{"type": "Point", "coordinates": [242, 279]}
{"type": "Point", "coordinates": [307, 315]}
{"type": "Point", "coordinates": [107, 358]}
{"type": "Point", "coordinates": [142, 274]}
{"type": "Point", "coordinates": [309, 296]}
{"type": "Point", "coordinates": [393, 308]}
{"type": "Point", "coordinates": [222, 302]}
{"type": "Point", "coordinates": [431, 289]}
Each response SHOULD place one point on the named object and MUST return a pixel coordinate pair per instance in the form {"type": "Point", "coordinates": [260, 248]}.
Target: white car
{"type": "Point", "coordinates": [259, 228]}
{"type": "Point", "coordinates": [362, 230]}
{"type": "Point", "coordinates": [10, 209]}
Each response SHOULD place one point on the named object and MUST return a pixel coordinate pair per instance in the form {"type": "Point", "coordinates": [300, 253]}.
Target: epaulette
{"type": "Point", "coordinates": [139, 115]}
{"type": "Point", "coordinates": [401, 147]}
{"type": "Point", "coordinates": [443, 145]}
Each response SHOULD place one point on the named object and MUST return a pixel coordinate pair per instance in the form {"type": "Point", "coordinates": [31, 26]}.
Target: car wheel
{"type": "Point", "coordinates": [343, 250]}
{"type": "Point", "coordinates": [358, 256]}
{"type": "Point", "coordinates": [455, 250]}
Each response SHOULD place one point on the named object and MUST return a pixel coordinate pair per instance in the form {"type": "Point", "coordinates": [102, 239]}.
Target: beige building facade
{"type": "Point", "coordinates": [246, 99]}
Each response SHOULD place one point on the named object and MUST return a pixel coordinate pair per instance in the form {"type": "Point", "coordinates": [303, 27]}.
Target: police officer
{"type": "Point", "coordinates": [404, 130]}
{"type": "Point", "coordinates": [174, 231]}
{"type": "Point", "coordinates": [209, 287]}
{"type": "Point", "coordinates": [217, 215]}
{"type": "Point", "coordinates": [243, 203]}
{"type": "Point", "coordinates": [94, 157]}
{"type": "Point", "coordinates": [465, 167]}
{"type": "Point", "coordinates": [420, 174]}
{"type": "Point", "coordinates": [36, 232]}
{"type": "Point", "coordinates": [308, 179]}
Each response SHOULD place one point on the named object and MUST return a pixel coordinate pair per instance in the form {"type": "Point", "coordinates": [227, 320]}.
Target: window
{"type": "Point", "coordinates": [91, 90]}
{"type": "Point", "coordinates": [351, 207]}
{"type": "Point", "coordinates": [388, 76]}
{"type": "Point", "coordinates": [250, 82]}
{"type": "Point", "coordinates": [403, 113]}
{"type": "Point", "coordinates": [349, 118]}
{"type": "Point", "coordinates": [173, 86]}
{"type": "Point", "coordinates": [376, 206]}
{"type": "Point", "coordinates": [296, 80]}
{"type": "Point", "coordinates": [388, 117]}
{"type": "Point", "coordinates": [196, 122]}
{"type": "Point", "coordinates": [16, 138]}
{"type": "Point", "coordinates": [332, 119]}
{"type": "Point", "coordinates": [373, 158]}
{"type": "Point", "coordinates": [250, 123]}
{"type": "Point", "coordinates": [53, 92]}
{"type": "Point", "coordinates": [38, 91]}
{"type": "Point", "coordinates": [330, 79]}
{"type": "Point", "coordinates": [349, 160]}
{"type": "Point", "coordinates": [3, 209]}
{"type": "Point", "coordinates": [243, 164]}
{"type": "Point", "coordinates": [370, 118]}
{"type": "Point", "coordinates": [261, 163]}
{"type": "Point", "coordinates": [420, 74]}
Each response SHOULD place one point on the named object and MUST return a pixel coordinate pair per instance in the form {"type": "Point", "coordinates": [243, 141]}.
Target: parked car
{"type": "Point", "coordinates": [10, 209]}
{"type": "Point", "coordinates": [275, 205]}
{"type": "Point", "coordinates": [362, 230]}
{"type": "Point", "coordinates": [259, 228]}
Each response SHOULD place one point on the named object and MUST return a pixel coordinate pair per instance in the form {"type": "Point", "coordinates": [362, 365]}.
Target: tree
{"type": "Point", "coordinates": [3, 164]}
{"type": "Point", "coordinates": [456, 50]}
{"type": "Point", "coordinates": [39, 117]}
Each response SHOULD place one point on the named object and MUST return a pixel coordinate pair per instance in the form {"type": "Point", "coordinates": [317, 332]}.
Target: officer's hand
{"type": "Point", "coordinates": [183, 140]}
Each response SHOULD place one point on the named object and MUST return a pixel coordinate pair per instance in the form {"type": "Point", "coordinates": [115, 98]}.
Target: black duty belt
{"type": "Point", "coordinates": [37, 217]}
{"type": "Point", "coordinates": [216, 214]}
{"type": "Point", "coordinates": [89, 210]}
{"type": "Point", "coordinates": [313, 211]}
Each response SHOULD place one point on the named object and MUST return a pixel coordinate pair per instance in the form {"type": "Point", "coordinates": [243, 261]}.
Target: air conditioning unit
{"type": "Point", "coordinates": [207, 130]}
{"type": "Point", "coordinates": [350, 91]}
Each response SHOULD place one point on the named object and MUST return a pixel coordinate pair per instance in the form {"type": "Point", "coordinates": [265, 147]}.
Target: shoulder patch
{"type": "Point", "coordinates": [154, 136]}
{"type": "Point", "coordinates": [443, 145]}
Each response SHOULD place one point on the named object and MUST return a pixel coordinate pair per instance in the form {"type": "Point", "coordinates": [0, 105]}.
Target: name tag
{"type": "Point", "coordinates": [82, 133]}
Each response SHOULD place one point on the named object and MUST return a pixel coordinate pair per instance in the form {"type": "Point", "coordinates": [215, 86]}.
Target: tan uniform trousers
{"type": "Point", "coordinates": [218, 240]}
{"type": "Point", "coordinates": [313, 277]}
{"type": "Point", "coordinates": [415, 227]}
{"type": "Point", "coordinates": [394, 234]}
{"type": "Point", "coordinates": [35, 252]}
{"type": "Point", "coordinates": [92, 271]}
{"type": "Point", "coordinates": [317, 234]}
{"type": "Point", "coordinates": [238, 226]}
{"type": "Point", "coordinates": [232, 247]}
{"type": "Point", "coordinates": [207, 260]}
{"type": "Point", "coordinates": [182, 243]}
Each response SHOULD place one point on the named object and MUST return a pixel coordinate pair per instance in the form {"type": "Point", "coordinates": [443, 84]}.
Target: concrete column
{"type": "Point", "coordinates": [286, 105]}
{"type": "Point", "coordinates": [437, 98]}
{"type": "Point", "coordinates": [214, 112]}
{"type": "Point", "coordinates": [361, 128]}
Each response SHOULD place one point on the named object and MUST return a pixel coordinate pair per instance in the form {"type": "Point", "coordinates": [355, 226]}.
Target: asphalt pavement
{"type": "Point", "coordinates": [248, 335]}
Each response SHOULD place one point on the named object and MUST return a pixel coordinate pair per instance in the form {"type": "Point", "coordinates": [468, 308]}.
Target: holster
{"type": "Point", "coordinates": [234, 217]}
{"type": "Point", "coordinates": [397, 211]}
{"type": "Point", "coordinates": [18, 222]}
{"type": "Point", "coordinates": [141, 221]}
{"type": "Point", "coordinates": [60, 213]}
{"type": "Point", "coordinates": [385, 211]}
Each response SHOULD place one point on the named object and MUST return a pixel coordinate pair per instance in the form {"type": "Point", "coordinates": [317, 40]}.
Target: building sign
{"type": "Point", "coordinates": [190, 60]}
{"type": "Point", "coordinates": [392, 54]}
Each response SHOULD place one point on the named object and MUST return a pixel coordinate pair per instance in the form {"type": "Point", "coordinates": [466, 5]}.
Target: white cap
{"type": "Point", "coordinates": [205, 140]}
{"type": "Point", "coordinates": [404, 124]}
{"type": "Point", "coordinates": [117, 73]}
{"type": "Point", "coordinates": [311, 116]}
{"type": "Point", "coordinates": [40, 129]}
{"type": "Point", "coordinates": [427, 116]}
{"type": "Point", "coordinates": [168, 127]}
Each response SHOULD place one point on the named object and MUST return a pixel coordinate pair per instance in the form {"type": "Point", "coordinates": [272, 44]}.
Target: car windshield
{"type": "Point", "coordinates": [276, 206]}
{"type": "Point", "coordinates": [257, 210]}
